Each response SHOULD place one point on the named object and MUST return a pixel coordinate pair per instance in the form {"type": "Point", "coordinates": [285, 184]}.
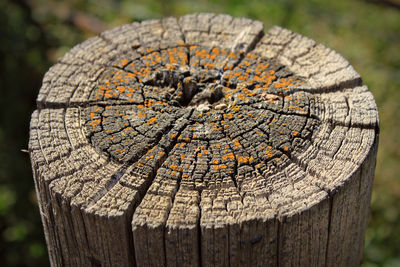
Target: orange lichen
{"type": "Point", "coordinates": [235, 107]}
{"type": "Point", "coordinates": [173, 167]}
{"type": "Point", "coordinates": [95, 123]}
{"type": "Point", "coordinates": [245, 160]}
{"type": "Point", "coordinates": [236, 144]}
{"type": "Point", "coordinates": [124, 61]}
{"type": "Point", "coordinates": [228, 156]}
{"type": "Point", "coordinates": [269, 152]}
{"type": "Point", "coordinates": [151, 120]}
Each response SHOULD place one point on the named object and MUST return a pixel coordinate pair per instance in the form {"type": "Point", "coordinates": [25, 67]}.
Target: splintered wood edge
{"type": "Point", "coordinates": [81, 189]}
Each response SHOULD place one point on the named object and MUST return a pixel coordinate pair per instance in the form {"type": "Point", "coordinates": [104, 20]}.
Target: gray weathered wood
{"type": "Point", "coordinates": [203, 141]}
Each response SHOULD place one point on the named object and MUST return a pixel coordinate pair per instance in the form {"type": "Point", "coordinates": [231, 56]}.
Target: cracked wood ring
{"type": "Point", "coordinates": [203, 141]}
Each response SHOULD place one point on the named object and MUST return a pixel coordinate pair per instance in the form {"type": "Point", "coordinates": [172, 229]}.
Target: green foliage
{"type": "Point", "coordinates": [35, 33]}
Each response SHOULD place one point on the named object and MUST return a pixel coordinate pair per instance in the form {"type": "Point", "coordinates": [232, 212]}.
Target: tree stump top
{"type": "Point", "coordinates": [199, 122]}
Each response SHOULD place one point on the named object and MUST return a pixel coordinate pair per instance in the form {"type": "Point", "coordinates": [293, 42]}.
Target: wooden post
{"type": "Point", "coordinates": [203, 141]}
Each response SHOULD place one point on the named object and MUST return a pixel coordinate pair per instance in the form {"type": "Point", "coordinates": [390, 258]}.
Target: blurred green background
{"type": "Point", "coordinates": [34, 33]}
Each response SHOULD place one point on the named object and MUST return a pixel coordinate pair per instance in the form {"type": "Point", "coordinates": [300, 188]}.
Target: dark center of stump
{"type": "Point", "coordinates": [218, 108]}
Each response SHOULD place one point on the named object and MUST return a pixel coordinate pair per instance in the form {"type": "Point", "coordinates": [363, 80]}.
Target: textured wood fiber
{"type": "Point", "coordinates": [203, 141]}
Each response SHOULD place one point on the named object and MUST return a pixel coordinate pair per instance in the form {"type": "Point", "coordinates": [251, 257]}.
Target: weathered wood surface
{"type": "Point", "coordinates": [203, 141]}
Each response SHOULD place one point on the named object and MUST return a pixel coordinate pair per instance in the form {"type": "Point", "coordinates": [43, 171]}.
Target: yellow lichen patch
{"type": "Point", "coordinates": [236, 144]}
{"type": "Point", "coordinates": [228, 156]}
{"type": "Point", "coordinates": [124, 62]}
{"type": "Point", "coordinates": [141, 114]}
{"type": "Point", "coordinates": [246, 63]}
{"type": "Point", "coordinates": [128, 129]}
{"type": "Point", "coordinates": [297, 108]}
{"type": "Point", "coordinates": [269, 152]}
{"type": "Point", "coordinates": [248, 92]}
{"type": "Point", "coordinates": [215, 50]}
{"type": "Point", "coordinates": [95, 123]}
{"type": "Point", "coordinates": [148, 103]}
{"type": "Point", "coordinates": [228, 116]}
{"type": "Point", "coordinates": [121, 89]}
{"type": "Point", "coordinates": [242, 159]}
{"type": "Point", "coordinates": [245, 160]}
{"type": "Point", "coordinates": [150, 157]}
{"type": "Point", "coordinates": [161, 103]}
{"type": "Point", "coordinates": [173, 167]}
{"type": "Point", "coordinates": [232, 55]}
{"type": "Point", "coordinates": [201, 53]}
{"type": "Point", "coordinates": [235, 107]}
{"type": "Point", "coordinates": [151, 120]}
{"type": "Point", "coordinates": [283, 83]}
